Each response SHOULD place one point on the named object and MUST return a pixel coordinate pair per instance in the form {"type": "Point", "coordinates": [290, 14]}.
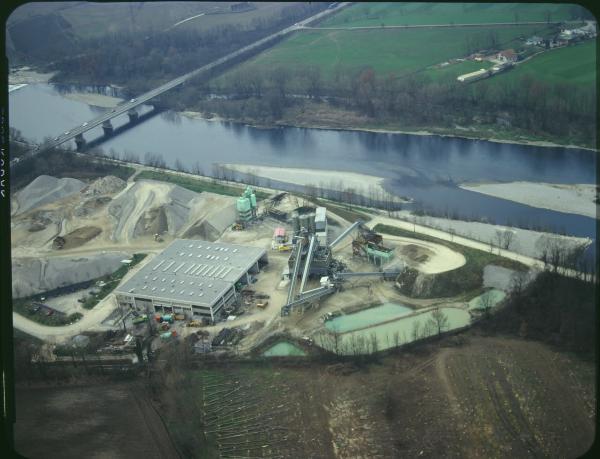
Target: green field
{"type": "Point", "coordinates": [374, 14]}
{"type": "Point", "coordinates": [386, 51]}
{"type": "Point", "coordinates": [573, 65]}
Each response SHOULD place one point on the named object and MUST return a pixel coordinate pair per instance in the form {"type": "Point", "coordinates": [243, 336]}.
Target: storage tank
{"type": "Point", "coordinates": [243, 205]}
{"type": "Point", "coordinates": [253, 200]}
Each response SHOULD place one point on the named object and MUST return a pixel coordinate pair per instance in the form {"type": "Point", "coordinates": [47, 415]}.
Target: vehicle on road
{"type": "Point", "coordinates": [55, 138]}
{"type": "Point", "coordinates": [67, 132]}
{"type": "Point", "coordinates": [84, 124]}
{"type": "Point", "coordinates": [132, 100]}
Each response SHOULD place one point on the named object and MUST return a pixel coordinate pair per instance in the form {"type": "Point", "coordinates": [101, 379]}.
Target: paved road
{"type": "Point", "coordinates": [427, 26]}
{"type": "Point", "coordinates": [141, 99]}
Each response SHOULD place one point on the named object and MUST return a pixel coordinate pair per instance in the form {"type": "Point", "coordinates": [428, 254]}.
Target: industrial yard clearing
{"type": "Point", "coordinates": [277, 310]}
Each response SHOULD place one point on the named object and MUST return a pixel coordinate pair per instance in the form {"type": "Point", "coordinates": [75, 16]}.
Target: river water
{"type": "Point", "coordinates": [425, 168]}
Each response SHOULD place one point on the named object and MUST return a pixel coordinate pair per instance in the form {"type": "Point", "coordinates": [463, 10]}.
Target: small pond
{"type": "Point", "coordinates": [391, 334]}
{"type": "Point", "coordinates": [491, 297]}
{"type": "Point", "coordinates": [367, 317]}
{"type": "Point", "coordinates": [283, 349]}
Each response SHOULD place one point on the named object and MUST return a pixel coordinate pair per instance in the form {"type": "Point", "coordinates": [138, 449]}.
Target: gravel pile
{"type": "Point", "coordinates": [105, 185]}
{"type": "Point", "coordinates": [32, 275]}
{"type": "Point", "coordinates": [150, 207]}
{"type": "Point", "coordinates": [44, 190]}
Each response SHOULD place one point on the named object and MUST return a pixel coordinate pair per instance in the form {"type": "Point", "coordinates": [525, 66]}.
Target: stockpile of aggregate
{"type": "Point", "coordinates": [31, 276]}
{"type": "Point", "coordinates": [44, 190]}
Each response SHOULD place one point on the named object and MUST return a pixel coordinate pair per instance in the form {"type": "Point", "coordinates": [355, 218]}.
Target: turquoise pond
{"type": "Point", "coordinates": [390, 334]}
{"type": "Point", "coordinates": [368, 317]}
{"type": "Point", "coordinates": [283, 349]}
{"type": "Point", "coordinates": [494, 297]}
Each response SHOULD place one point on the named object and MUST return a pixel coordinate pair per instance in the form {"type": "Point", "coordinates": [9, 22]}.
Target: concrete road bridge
{"type": "Point", "coordinates": [130, 106]}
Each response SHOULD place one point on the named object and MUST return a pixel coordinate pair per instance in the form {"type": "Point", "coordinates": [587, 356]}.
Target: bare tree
{"type": "Point", "coordinates": [518, 281]}
{"type": "Point", "coordinates": [416, 331]}
{"type": "Point", "coordinates": [486, 301]}
{"type": "Point", "coordinates": [179, 166]}
{"type": "Point", "coordinates": [439, 321]}
{"type": "Point", "coordinates": [197, 168]}
{"type": "Point", "coordinates": [507, 239]}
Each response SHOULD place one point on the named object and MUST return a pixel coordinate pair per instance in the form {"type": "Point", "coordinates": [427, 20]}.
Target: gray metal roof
{"type": "Point", "coordinates": [320, 214]}
{"type": "Point", "coordinates": [192, 271]}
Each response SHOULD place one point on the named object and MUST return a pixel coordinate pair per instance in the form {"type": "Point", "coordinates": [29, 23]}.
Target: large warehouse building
{"type": "Point", "coordinates": [192, 277]}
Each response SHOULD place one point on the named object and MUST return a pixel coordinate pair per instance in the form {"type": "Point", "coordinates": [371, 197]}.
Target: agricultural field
{"type": "Point", "coordinates": [573, 66]}
{"type": "Point", "coordinates": [113, 420]}
{"type": "Point", "coordinates": [374, 14]}
{"type": "Point", "coordinates": [392, 51]}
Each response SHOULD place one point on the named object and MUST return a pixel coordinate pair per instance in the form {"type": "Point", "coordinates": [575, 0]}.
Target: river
{"type": "Point", "coordinates": [425, 168]}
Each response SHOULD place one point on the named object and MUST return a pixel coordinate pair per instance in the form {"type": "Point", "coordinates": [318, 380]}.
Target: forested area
{"type": "Point", "coordinates": [142, 61]}
{"type": "Point", "coordinates": [533, 106]}
{"type": "Point", "coordinates": [553, 308]}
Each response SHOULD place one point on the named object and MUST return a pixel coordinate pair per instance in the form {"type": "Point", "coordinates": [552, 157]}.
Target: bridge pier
{"type": "Point", "coordinates": [80, 142]}
{"type": "Point", "coordinates": [108, 128]}
{"type": "Point", "coordinates": [133, 115]}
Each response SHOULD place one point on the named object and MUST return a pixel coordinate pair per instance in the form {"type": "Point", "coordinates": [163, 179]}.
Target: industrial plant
{"type": "Point", "coordinates": [198, 279]}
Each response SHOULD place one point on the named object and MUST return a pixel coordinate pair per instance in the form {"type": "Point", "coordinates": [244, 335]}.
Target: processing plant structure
{"type": "Point", "coordinates": [312, 257]}
{"type": "Point", "coordinates": [246, 205]}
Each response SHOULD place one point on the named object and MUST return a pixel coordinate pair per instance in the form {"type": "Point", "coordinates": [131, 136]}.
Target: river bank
{"type": "Point", "coordinates": [362, 184]}
{"type": "Point", "coordinates": [320, 115]}
{"type": "Point", "coordinates": [576, 199]}
{"type": "Point", "coordinates": [97, 100]}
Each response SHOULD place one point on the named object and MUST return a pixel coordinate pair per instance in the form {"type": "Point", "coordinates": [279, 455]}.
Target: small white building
{"type": "Point", "coordinates": [473, 76]}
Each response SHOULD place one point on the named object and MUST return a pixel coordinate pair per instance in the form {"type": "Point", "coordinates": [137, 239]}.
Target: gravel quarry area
{"type": "Point", "coordinates": [35, 275]}
{"type": "Point", "coordinates": [44, 190]}
{"type": "Point", "coordinates": [572, 199]}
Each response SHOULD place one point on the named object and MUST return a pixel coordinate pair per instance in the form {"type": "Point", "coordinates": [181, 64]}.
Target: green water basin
{"type": "Point", "coordinates": [368, 317]}
{"type": "Point", "coordinates": [283, 349]}
{"type": "Point", "coordinates": [391, 334]}
{"type": "Point", "coordinates": [492, 297]}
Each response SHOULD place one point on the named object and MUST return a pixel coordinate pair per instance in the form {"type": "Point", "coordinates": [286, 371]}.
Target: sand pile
{"type": "Point", "coordinates": [36, 275]}
{"type": "Point", "coordinates": [105, 185]}
{"type": "Point", "coordinates": [44, 190]}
